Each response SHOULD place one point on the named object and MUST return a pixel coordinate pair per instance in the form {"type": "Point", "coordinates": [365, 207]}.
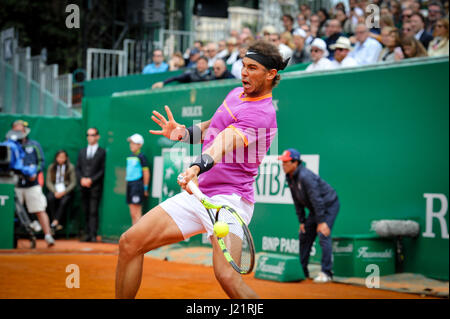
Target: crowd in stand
{"type": "Point", "coordinates": [340, 37]}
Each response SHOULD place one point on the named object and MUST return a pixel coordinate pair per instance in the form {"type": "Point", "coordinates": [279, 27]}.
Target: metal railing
{"type": "Point", "coordinates": [102, 63]}
{"type": "Point", "coordinates": [28, 85]}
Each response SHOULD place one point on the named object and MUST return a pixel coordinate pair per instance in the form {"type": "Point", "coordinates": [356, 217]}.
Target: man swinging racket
{"type": "Point", "coordinates": [235, 140]}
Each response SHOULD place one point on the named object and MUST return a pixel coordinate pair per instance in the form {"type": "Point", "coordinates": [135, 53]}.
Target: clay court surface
{"type": "Point", "coordinates": [41, 273]}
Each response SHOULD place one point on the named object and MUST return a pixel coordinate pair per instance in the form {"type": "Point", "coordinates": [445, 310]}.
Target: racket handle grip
{"type": "Point", "coordinates": [195, 190]}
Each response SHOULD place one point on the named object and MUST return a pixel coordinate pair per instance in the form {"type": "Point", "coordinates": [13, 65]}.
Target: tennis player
{"type": "Point", "coordinates": [235, 140]}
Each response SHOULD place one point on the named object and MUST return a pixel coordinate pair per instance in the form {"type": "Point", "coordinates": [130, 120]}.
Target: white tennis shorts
{"type": "Point", "coordinates": [191, 216]}
{"type": "Point", "coordinates": [33, 197]}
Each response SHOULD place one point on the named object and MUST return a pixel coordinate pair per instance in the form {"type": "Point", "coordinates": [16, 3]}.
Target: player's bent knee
{"type": "Point", "coordinates": [127, 246]}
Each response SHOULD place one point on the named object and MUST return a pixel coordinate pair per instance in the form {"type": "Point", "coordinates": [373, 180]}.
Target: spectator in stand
{"type": "Point", "coordinates": [301, 20]}
{"type": "Point", "coordinates": [396, 13]}
{"type": "Point", "coordinates": [211, 53]}
{"type": "Point", "coordinates": [314, 25]}
{"type": "Point", "coordinates": [385, 21]}
{"type": "Point", "coordinates": [305, 9]}
{"type": "Point", "coordinates": [194, 55]}
{"type": "Point", "coordinates": [346, 23]}
{"type": "Point", "coordinates": [309, 37]}
{"type": "Point", "coordinates": [230, 54]}
{"type": "Point", "coordinates": [334, 32]}
{"type": "Point", "coordinates": [288, 23]}
{"type": "Point", "coordinates": [158, 65]}
{"type": "Point", "coordinates": [390, 38]}
{"type": "Point", "coordinates": [407, 30]}
{"type": "Point", "coordinates": [367, 50]}
{"type": "Point", "coordinates": [319, 55]}
{"type": "Point", "coordinates": [222, 49]}
{"type": "Point", "coordinates": [200, 73]}
{"type": "Point", "coordinates": [412, 48]}
{"type": "Point", "coordinates": [341, 58]}
{"type": "Point", "coordinates": [406, 15]}
{"type": "Point", "coordinates": [435, 12]}
{"type": "Point", "coordinates": [267, 31]}
{"type": "Point", "coordinates": [61, 180]}
{"type": "Point", "coordinates": [176, 62]}
{"type": "Point", "coordinates": [418, 27]}
{"type": "Point", "coordinates": [220, 70]}
{"type": "Point", "coordinates": [198, 46]}
{"type": "Point", "coordinates": [300, 54]}
{"type": "Point", "coordinates": [439, 45]}
{"type": "Point", "coordinates": [237, 65]}
{"type": "Point", "coordinates": [287, 39]}
{"type": "Point", "coordinates": [285, 51]}
{"type": "Point", "coordinates": [323, 18]}
{"type": "Point", "coordinates": [415, 6]}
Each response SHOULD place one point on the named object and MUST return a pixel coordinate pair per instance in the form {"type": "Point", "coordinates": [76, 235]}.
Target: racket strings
{"type": "Point", "coordinates": [236, 241]}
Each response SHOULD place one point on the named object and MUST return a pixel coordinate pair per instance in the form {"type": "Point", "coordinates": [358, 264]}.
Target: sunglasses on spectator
{"type": "Point", "coordinates": [407, 15]}
{"type": "Point", "coordinates": [407, 29]}
{"type": "Point", "coordinates": [316, 50]}
{"type": "Point", "coordinates": [91, 135]}
{"type": "Point", "coordinates": [434, 11]}
{"type": "Point", "coordinates": [339, 49]}
{"type": "Point", "coordinates": [439, 25]}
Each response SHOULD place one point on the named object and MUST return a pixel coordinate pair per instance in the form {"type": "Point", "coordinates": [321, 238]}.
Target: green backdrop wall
{"type": "Point", "coordinates": [379, 135]}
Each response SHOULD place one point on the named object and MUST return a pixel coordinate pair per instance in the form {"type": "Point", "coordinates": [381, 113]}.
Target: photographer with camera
{"type": "Point", "coordinates": [28, 189]}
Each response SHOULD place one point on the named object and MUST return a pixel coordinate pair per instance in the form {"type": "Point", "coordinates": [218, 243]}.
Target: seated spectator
{"type": "Point", "coordinates": [285, 51]}
{"type": "Point", "coordinates": [301, 20]}
{"type": "Point", "coordinates": [267, 31]}
{"type": "Point", "coordinates": [236, 68]}
{"type": "Point", "coordinates": [406, 15]}
{"type": "Point", "coordinates": [333, 32]}
{"type": "Point", "coordinates": [300, 54]}
{"type": "Point", "coordinates": [288, 23]}
{"type": "Point", "coordinates": [346, 23]}
{"type": "Point", "coordinates": [418, 27]}
{"type": "Point", "coordinates": [158, 65]}
{"type": "Point", "coordinates": [305, 9]}
{"type": "Point", "coordinates": [367, 50]}
{"type": "Point", "coordinates": [220, 70]}
{"type": "Point", "coordinates": [309, 37]}
{"type": "Point", "coordinates": [323, 18]}
{"type": "Point", "coordinates": [194, 55]}
{"type": "Point", "coordinates": [314, 25]}
{"type": "Point", "coordinates": [221, 49]}
{"type": "Point", "coordinates": [61, 181]}
{"type": "Point", "coordinates": [200, 73]}
{"type": "Point", "coordinates": [319, 55]}
{"type": "Point", "coordinates": [412, 48]}
{"type": "Point", "coordinates": [439, 45]}
{"type": "Point", "coordinates": [211, 51]}
{"type": "Point", "coordinates": [407, 30]}
{"type": "Point", "coordinates": [176, 62]}
{"type": "Point", "coordinates": [230, 54]}
{"type": "Point", "coordinates": [287, 39]}
{"type": "Point", "coordinates": [341, 58]}
{"type": "Point", "coordinates": [435, 12]}
{"type": "Point", "coordinates": [390, 38]}
{"type": "Point", "coordinates": [415, 6]}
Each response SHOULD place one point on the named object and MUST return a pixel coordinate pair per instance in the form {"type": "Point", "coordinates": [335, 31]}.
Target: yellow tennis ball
{"type": "Point", "coordinates": [221, 229]}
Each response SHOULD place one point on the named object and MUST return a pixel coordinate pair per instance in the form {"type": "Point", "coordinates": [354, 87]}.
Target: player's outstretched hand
{"type": "Point", "coordinates": [169, 128]}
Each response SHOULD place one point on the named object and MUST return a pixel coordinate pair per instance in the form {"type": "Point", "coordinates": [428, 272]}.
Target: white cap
{"type": "Point", "coordinates": [343, 43]}
{"type": "Point", "coordinates": [136, 138]}
{"type": "Point", "coordinates": [299, 32]}
{"type": "Point", "coordinates": [320, 44]}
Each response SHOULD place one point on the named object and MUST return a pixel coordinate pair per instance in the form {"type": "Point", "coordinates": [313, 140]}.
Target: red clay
{"type": "Point", "coordinates": [41, 273]}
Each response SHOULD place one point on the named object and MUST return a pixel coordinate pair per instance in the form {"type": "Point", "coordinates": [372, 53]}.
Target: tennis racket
{"type": "Point", "coordinates": [237, 246]}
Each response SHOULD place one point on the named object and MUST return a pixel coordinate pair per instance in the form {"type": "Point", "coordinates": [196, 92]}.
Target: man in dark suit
{"type": "Point", "coordinates": [90, 171]}
{"type": "Point", "coordinates": [417, 21]}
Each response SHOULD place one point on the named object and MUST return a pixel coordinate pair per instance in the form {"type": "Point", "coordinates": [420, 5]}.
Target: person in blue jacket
{"type": "Point", "coordinates": [312, 192]}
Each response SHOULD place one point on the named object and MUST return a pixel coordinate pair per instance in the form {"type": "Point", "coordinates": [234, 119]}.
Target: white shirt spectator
{"type": "Point", "coordinates": [367, 52]}
{"type": "Point", "coordinates": [236, 69]}
{"type": "Point", "coordinates": [285, 51]}
{"type": "Point", "coordinates": [322, 64]}
{"type": "Point", "coordinates": [347, 62]}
